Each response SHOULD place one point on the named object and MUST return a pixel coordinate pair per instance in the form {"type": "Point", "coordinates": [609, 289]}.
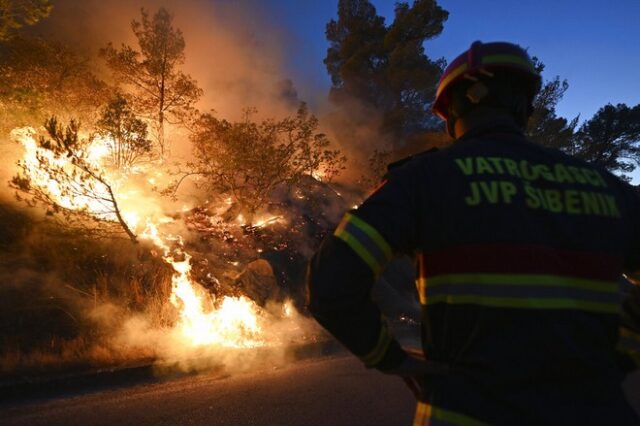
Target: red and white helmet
{"type": "Point", "coordinates": [482, 59]}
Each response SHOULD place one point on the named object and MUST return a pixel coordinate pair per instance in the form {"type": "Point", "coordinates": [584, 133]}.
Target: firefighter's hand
{"type": "Point", "coordinates": [415, 371]}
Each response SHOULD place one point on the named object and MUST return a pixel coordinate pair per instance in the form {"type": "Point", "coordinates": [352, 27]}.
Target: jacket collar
{"type": "Point", "coordinates": [501, 125]}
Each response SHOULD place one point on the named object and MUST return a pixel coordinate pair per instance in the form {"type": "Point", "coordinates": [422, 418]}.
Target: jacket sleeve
{"type": "Point", "coordinates": [345, 268]}
{"type": "Point", "coordinates": [632, 266]}
{"type": "Point", "coordinates": [628, 347]}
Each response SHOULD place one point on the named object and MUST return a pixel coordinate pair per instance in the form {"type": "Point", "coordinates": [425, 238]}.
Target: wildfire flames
{"type": "Point", "coordinates": [234, 322]}
{"type": "Point", "coordinates": [230, 322]}
{"type": "Point", "coordinates": [71, 197]}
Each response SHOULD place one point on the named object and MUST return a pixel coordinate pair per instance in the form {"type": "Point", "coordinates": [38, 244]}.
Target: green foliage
{"type": "Point", "coordinates": [40, 78]}
{"type": "Point", "coordinates": [611, 138]}
{"type": "Point", "coordinates": [248, 159]}
{"type": "Point", "coordinates": [385, 68]}
{"type": "Point", "coordinates": [65, 181]}
{"type": "Point", "coordinates": [544, 126]}
{"type": "Point", "coordinates": [15, 14]}
{"type": "Point", "coordinates": [162, 92]}
{"type": "Point", "coordinates": [377, 168]}
{"type": "Point", "coordinates": [126, 135]}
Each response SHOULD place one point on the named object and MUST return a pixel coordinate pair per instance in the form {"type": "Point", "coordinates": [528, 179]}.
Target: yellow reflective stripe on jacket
{"type": "Point", "coordinates": [629, 344]}
{"type": "Point", "coordinates": [421, 284]}
{"type": "Point", "coordinates": [632, 337]}
{"type": "Point", "coordinates": [525, 279]}
{"type": "Point", "coordinates": [365, 241]}
{"type": "Point", "coordinates": [526, 291]}
{"type": "Point", "coordinates": [421, 281]}
{"type": "Point", "coordinates": [428, 415]}
{"type": "Point", "coordinates": [378, 352]}
{"type": "Point", "coordinates": [528, 303]}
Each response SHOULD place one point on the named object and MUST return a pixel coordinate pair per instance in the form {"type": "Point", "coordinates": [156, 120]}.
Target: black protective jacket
{"type": "Point", "coordinates": [519, 251]}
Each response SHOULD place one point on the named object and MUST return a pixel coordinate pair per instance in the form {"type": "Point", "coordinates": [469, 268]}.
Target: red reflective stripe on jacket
{"type": "Point", "coordinates": [521, 259]}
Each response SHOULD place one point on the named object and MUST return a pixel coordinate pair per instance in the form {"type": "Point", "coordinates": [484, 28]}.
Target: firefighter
{"type": "Point", "coordinates": [519, 251]}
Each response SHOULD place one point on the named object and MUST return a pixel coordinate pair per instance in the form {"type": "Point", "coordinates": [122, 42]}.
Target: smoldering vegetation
{"type": "Point", "coordinates": [232, 187]}
{"type": "Point", "coordinates": [72, 300]}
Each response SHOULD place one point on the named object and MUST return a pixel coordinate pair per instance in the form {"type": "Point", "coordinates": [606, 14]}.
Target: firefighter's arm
{"type": "Point", "coordinates": [628, 347]}
{"type": "Point", "coordinates": [343, 272]}
{"type": "Point", "coordinates": [339, 286]}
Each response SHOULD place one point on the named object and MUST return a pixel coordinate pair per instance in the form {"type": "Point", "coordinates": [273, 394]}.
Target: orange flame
{"type": "Point", "coordinates": [229, 322]}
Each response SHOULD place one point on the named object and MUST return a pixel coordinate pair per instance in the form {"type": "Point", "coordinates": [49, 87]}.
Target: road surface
{"type": "Point", "coordinates": [334, 391]}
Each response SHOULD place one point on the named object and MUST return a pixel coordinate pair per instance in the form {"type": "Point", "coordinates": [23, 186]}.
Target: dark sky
{"type": "Point", "coordinates": [594, 44]}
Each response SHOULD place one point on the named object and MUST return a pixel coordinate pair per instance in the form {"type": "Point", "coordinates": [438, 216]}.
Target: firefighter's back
{"type": "Point", "coordinates": [521, 250]}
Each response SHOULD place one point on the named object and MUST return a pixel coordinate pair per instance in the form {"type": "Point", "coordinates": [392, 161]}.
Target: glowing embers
{"type": "Point", "coordinates": [259, 222]}
{"type": "Point", "coordinates": [266, 221]}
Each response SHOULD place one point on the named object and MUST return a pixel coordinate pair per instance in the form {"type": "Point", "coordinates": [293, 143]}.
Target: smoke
{"type": "Point", "coordinates": [231, 50]}
{"type": "Point", "coordinates": [237, 57]}
{"type": "Point", "coordinates": [282, 330]}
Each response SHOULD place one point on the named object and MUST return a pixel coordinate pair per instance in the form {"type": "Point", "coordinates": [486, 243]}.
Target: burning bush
{"type": "Point", "coordinates": [248, 159]}
{"type": "Point", "coordinates": [61, 173]}
{"type": "Point", "coordinates": [94, 290]}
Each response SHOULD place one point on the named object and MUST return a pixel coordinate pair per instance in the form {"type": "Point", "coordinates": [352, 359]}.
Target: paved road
{"type": "Point", "coordinates": [328, 391]}
{"type": "Point", "coordinates": [332, 391]}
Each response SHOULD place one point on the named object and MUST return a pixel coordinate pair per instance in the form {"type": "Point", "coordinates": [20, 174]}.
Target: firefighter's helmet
{"type": "Point", "coordinates": [484, 61]}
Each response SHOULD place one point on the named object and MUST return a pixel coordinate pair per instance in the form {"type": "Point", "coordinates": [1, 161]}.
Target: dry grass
{"type": "Point", "coordinates": [53, 286]}
{"type": "Point", "coordinates": [69, 355]}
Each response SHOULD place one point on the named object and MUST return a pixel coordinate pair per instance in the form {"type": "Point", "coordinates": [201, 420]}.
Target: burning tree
{"type": "Point", "coordinates": [126, 134]}
{"type": "Point", "coordinates": [62, 173]}
{"type": "Point", "coordinates": [248, 159]}
{"type": "Point", "coordinates": [163, 93]}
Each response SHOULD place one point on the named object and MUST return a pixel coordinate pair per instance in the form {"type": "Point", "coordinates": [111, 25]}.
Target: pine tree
{"type": "Point", "coordinates": [247, 159]}
{"type": "Point", "coordinates": [545, 127]}
{"type": "Point", "coordinates": [385, 68]}
{"type": "Point", "coordinates": [126, 134]}
{"type": "Point", "coordinates": [163, 93]}
{"type": "Point", "coordinates": [611, 138]}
